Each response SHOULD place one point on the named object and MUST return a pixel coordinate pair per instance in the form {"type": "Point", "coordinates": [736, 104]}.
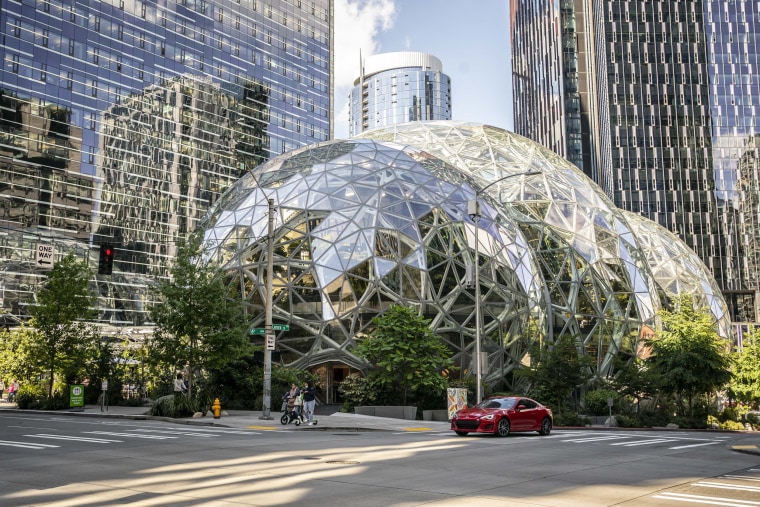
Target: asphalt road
{"type": "Point", "coordinates": [69, 461]}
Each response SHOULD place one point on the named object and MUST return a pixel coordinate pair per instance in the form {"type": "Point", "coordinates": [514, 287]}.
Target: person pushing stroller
{"type": "Point", "coordinates": [292, 404]}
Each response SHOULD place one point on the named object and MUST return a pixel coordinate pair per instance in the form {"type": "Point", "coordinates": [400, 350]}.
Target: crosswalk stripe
{"type": "Point", "coordinates": [725, 485]}
{"type": "Point", "coordinates": [74, 438]}
{"type": "Point", "coordinates": [683, 497]}
{"type": "Point", "coordinates": [643, 442]}
{"type": "Point", "coordinates": [132, 435]}
{"type": "Point", "coordinates": [596, 439]}
{"type": "Point", "coordinates": [26, 445]}
{"type": "Point", "coordinates": [693, 445]}
{"type": "Point", "coordinates": [741, 477]}
{"type": "Point", "coordinates": [187, 434]}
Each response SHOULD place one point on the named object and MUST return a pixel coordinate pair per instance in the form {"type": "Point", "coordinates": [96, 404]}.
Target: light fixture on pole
{"type": "Point", "coordinates": [473, 210]}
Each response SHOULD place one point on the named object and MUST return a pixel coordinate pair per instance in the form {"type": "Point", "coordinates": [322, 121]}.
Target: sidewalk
{"type": "Point", "coordinates": [746, 441]}
{"type": "Point", "coordinates": [245, 419]}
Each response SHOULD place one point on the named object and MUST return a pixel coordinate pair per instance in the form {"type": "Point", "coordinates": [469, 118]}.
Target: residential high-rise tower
{"type": "Point", "coordinates": [397, 88]}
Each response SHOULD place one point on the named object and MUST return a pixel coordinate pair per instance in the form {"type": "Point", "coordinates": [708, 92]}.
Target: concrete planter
{"type": "Point", "coordinates": [394, 412]}
{"type": "Point", "coordinates": [435, 415]}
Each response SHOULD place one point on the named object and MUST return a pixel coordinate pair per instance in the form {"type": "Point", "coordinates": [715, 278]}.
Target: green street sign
{"type": "Point", "coordinates": [263, 330]}
{"type": "Point", "coordinates": [76, 396]}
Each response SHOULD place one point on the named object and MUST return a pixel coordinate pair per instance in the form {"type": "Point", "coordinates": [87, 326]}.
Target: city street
{"type": "Point", "coordinates": [75, 461]}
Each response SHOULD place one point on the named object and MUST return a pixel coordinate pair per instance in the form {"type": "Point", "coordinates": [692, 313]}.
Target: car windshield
{"type": "Point", "coordinates": [503, 403]}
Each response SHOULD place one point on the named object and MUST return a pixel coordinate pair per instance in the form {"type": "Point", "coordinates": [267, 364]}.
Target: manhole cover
{"type": "Point", "coordinates": [343, 462]}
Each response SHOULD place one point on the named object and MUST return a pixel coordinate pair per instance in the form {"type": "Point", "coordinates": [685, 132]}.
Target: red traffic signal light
{"type": "Point", "coordinates": [105, 262]}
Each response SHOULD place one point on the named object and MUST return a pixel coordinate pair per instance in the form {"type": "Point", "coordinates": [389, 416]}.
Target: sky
{"type": "Point", "coordinates": [470, 38]}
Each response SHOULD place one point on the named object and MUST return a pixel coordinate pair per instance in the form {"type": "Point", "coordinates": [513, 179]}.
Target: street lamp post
{"type": "Point", "coordinates": [266, 402]}
{"type": "Point", "coordinates": [473, 210]}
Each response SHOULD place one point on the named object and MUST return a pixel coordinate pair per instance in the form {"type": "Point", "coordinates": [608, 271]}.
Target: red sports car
{"type": "Point", "coordinates": [501, 414]}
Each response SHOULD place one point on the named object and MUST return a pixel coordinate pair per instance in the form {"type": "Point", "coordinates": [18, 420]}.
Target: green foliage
{"type": "Point", "coordinates": [570, 419]}
{"type": "Point", "coordinates": [356, 391]}
{"type": "Point", "coordinates": [688, 356]}
{"type": "Point", "coordinates": [407, 359]}
{"type": "Point", "coordinates": [632, 379]}
{"type": "Point", "coordinates": [596, 401]}
{"type": "Point", "coordinates": [199, 323]}
{"type": "Point", "coordinates": [556, 371]}
{"type": "Point", "coordinates": [177, 406]}
{"type": "Point", "coordinates": [63, 344]}
{"type": "Point", "coordinates": [29, 396]}
{"type": "Point", "coordinates": [745, 382]}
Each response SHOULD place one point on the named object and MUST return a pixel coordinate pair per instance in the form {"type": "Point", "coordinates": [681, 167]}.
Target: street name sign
{"type": "Point", "coordinates": [263, 330]}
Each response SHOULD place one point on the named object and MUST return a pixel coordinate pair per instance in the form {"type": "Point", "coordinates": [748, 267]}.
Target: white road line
{"type": "Point", "coordinates": [681, 497]}
{"type": "Point", "coordinates": [179, 433]}
{"type": "Point", "coordinates": [596, 439]}
{"type": "Point", "coordinates": [26, 445]}
{"type": "Point", "coordinates": [741, 477]}
{"type": "Point", "coordinates": [693, 445]}
{"type": "Point", "coordinates": [724, 485]}
{"type": "Point", "coordinates": [76, 439]}
{"type": "Point", "coordinates": [133, 435]}
{"type": "Point", "coordinates": [644, 442]}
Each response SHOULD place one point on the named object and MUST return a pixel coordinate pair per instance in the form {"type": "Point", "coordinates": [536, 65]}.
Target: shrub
{"type": "Point", "coordinates": [570, 419]}
{"type": "Point", "coordinates": [596, 401]}
{"type": "Point", "coordinates": [356, 391]}
{"type": "Point", "coordinates": [29, 396]}
{"type": "Point", "coordinates": [732, 426]}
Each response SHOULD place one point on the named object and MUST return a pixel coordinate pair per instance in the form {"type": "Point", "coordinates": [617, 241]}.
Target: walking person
{"type": "Point", "coordinates": [179, 385]}
{"type": "Point", "coordinates": [13, 391]}
{"type": "Point", "coordinates": [309, 400]}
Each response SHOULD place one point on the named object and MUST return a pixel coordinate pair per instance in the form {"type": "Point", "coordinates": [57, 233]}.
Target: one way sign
{"type": "Point", "coordinates": [45, 255]}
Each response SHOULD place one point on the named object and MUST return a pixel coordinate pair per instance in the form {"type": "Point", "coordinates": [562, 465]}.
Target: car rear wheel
{"type": "Point", "coordinates": [546, 427]}
{"type": "Point", "coordinates": [502, 429]}
{"type": "Point", "coordinates": [461, 433]}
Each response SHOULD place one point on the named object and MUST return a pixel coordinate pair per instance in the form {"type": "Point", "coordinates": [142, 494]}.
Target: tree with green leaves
{"type": "Point", "coordinates": [688, 355]}
{"type": "Point", "coordinates": [745, 382]}
{"type": "Point", "coordinates": [632, 378]}
{"type": "Point", "coordinates": [406, 357]}
{"type": "Point", "coordinates": [200, 324]}
{"type": "Point", "coordinates": [64, 342]}
{"type": "Point", "coordinates": [556, 370]}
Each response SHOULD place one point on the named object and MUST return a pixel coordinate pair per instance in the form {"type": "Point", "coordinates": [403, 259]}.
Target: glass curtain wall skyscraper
{"type": "Point", "coordinates": [658, 103]}
{"type": "Point", "coordinates": [122, 121]}
{"type": "Point", "coordinates": [398, 88]}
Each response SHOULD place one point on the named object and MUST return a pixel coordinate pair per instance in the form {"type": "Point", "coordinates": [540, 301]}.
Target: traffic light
{"type": "Point", "coordinates": [105, 263]}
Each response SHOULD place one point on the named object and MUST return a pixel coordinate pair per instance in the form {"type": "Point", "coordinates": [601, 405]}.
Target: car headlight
{"type": "Point", "coordinates": [488, 417]}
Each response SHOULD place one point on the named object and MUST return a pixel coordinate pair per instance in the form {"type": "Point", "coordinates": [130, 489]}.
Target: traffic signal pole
{"type": "Point", "coordinates": [268, 322]}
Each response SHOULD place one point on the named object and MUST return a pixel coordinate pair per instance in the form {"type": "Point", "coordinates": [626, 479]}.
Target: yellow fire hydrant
{"type": "Point", "coordinates": [216, 408]}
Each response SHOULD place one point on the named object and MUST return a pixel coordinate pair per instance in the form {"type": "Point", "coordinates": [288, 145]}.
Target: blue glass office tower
{"type": "Point", "coordinates": [122, 121]}
{"type": "Point", "coordinates": [658, 103]}
{"type": "Point", "coordinates": [398, 88]}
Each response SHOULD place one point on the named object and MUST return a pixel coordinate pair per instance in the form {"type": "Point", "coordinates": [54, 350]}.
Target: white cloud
{"type": "Point", "coordinates": [357, 26]}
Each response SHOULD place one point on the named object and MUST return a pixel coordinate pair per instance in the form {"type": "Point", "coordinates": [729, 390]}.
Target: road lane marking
{"type": "Point", "coordinates": [183, 433]}
{"type": "Point", "coordinates": [596, 439]}
{"type": "Point", "coordinates": [741, 477]}
{"type": "Point", "coordinates": [682, 497]}
{"type": "Point", "coordinates": [26, 445]}
{"type": "Point", "coordinates": [644, 442]}
{"type": "Point", "coordinates": [693, 445]}
{"type": "Point", "coordinates": [75, 439]}
{"type": "Point", "coordinates": [132, 435]}
{"type": "Point", "coordinates": [725, 485]}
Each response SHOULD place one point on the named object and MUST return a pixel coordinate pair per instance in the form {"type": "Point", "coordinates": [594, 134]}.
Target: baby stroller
{"type": "Point", "coordinates": [292, 412]}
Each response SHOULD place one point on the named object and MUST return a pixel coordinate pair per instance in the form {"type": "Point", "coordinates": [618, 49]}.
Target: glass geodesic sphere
{"type": "Point", "coordinates": [360, 225]}
{"type": "Point", "coordinates": [600, 287]}
{"type": "Point", "coordinates": [677, 269]}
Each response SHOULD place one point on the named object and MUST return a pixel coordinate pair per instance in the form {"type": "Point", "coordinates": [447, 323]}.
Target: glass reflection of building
{"type": "Point", "coordinates": [397, 88]}
{"type": "Point", "coordinates": [121, 122]}
{"type": "Point", "coordinates": [655, 101]}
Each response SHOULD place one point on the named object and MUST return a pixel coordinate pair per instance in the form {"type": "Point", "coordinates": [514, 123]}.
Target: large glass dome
{"type": "Point", "coordinates": [600, 286]}
{"type": "Point", "coordinates": [361, 225]}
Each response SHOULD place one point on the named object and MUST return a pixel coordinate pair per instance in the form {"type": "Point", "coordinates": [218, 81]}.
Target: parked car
{"type": "Point", "coordinates": [501, 415]}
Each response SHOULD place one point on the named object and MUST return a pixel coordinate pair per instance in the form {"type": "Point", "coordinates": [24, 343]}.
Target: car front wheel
{"type": "Point", "coordinates": [546, 427]}
{"type": "Point", "coordinates": [502, 429]}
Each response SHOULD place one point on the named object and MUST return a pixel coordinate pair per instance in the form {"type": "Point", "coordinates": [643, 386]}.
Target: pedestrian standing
{"type": "Point", "coordinates": [13, 391]}
{"type": "Point", "coordinates": [2, 388]}
{"type": "Point", "coordinates": [309, 400]}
